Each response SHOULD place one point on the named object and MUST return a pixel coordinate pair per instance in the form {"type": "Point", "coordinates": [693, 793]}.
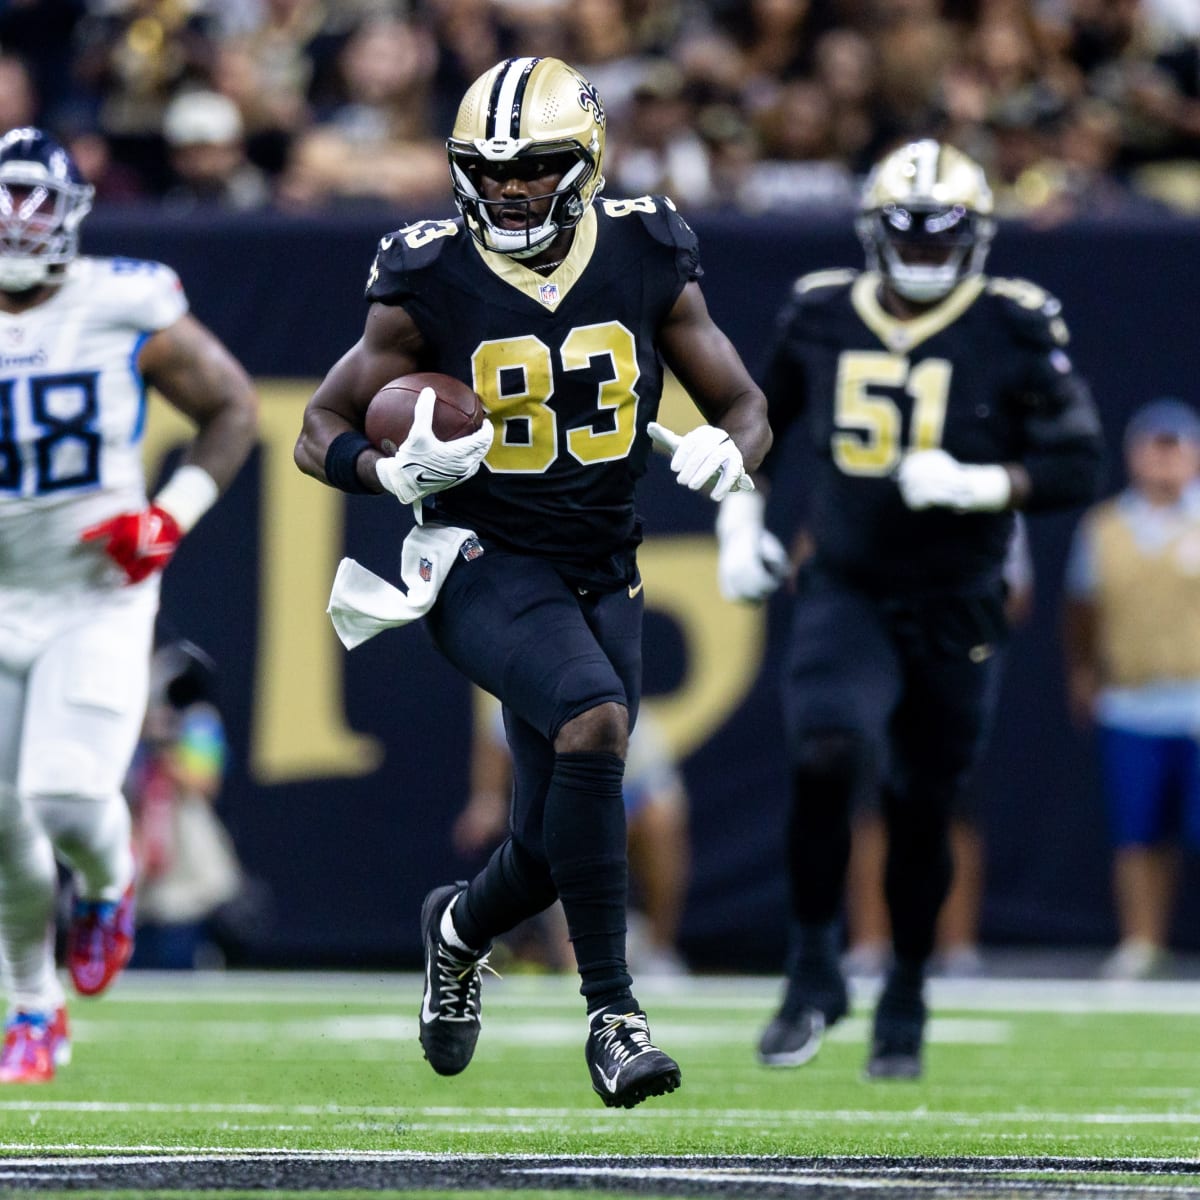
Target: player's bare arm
{"type": "Point", "coordinates": [706, 363]}
{"type": "Point", "coordinates": [389, 347]}
{"type": "Point", "coordinates": [196, 374]}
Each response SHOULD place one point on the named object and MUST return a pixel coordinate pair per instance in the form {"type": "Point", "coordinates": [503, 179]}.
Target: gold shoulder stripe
{"type": "Point", "coordinates": [819, 279]}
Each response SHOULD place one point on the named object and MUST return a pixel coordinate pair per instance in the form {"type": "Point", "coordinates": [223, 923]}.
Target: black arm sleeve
{"type": "Point", "coordinates": [1063, 441]}
{"type": "Point", "coordinates": [1060, 443]}
{"type": "Point", "coordinates": [783, 383]}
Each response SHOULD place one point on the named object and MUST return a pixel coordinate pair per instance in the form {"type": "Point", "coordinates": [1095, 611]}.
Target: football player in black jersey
{"type": "Point", "coordinates": [559, 307]}
{"type": "Point", "coordinates": [933, 401]}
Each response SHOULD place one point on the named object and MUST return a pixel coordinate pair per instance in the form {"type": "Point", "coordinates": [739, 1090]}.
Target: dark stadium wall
{"type": "Point", "coordinates": [348, 769]}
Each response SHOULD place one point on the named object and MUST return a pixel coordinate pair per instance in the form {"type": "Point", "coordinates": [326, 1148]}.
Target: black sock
{"type": "Point", "coordinates": [584, 832]}
{"type": "Point", "coordinates": [514, 886]}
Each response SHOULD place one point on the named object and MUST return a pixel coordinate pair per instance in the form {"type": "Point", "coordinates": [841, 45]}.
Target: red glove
{"type": "Point", "coordinates": [140, 543]}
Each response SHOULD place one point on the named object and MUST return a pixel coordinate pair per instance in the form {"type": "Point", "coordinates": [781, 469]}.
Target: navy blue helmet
{"type": "Point", "coordinates": [43, 200]}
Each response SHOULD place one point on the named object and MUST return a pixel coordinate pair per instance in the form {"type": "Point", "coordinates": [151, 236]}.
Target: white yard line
{"type": "Point", "coordinates": [727, 994]}
{"type": "Point", "coordinates": [748, 1116]}
{"type": "Point", "coordinates": [503, 1028]}
{"type": "Point", "coordinates": [121, 1156]}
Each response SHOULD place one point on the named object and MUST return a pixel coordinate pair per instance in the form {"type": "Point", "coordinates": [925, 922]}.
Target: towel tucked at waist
{"type": "Point", "coordinates": [362, 604]}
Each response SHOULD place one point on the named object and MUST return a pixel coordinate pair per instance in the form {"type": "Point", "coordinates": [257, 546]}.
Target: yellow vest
{"type": "Point", "coordinates": [1147, 601]}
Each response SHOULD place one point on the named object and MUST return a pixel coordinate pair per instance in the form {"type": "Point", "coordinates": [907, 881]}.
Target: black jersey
{"type": "Point", "coordinates": [984, 375]}
{"type": "Point", "coordinates": [567, 366]}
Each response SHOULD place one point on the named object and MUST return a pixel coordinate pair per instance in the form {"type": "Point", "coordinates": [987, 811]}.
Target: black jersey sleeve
{"type": "Point", "coordinates": [1060, 425]}
{"type": "Point", "coordinates": [666, 226]}
{"type": "Point", "coordinates": [782, 377]}
{"type": "Point", "coordinates": [403, 254]}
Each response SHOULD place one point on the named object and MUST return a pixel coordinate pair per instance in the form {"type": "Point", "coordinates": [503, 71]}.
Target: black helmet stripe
{"type": "Point", "coordinates": [508, 94]}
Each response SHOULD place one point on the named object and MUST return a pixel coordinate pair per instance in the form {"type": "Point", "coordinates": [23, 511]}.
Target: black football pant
{"type": "Point", "coordinates": [888, 694]}
{"type": "Point", "coordinates": [550, 652]}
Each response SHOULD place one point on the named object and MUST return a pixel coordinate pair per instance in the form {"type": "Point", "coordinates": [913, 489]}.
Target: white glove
{"type": "Point", "coordinates": [751, 561]}
{"type": "Point", "coordinates": [705, 459]}
{"type": "Point", "coordinates": [424, 464]}
{"type": "Point", "coordinates": [932, 479]}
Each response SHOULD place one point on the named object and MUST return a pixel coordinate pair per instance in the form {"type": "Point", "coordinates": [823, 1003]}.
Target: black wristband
{"type": "Point", "coordinates": [341, 460]}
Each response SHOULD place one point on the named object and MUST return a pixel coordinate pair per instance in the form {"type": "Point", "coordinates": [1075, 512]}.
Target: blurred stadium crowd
{"type": "Point", "coordinates": [1075, 107]}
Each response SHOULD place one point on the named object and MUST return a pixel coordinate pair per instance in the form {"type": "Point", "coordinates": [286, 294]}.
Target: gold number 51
{"type": "Point", "coordinates": [867, 441]}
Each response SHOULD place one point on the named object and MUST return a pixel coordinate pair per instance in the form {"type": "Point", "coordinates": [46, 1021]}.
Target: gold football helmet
{"type": "Point", "coordinates": [527, 110]}
{"type": "Point", "coordinates": [925, 219]}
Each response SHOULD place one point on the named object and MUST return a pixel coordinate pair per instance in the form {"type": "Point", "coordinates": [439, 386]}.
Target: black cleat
{"type": "Point", "coordinates": [626, 1067]}
{"type": "Point", "coordinates": [814, 1002]}
{"type": "Point", "coordinates": [899, 1031]}
{"type": "Point", "coordinates": [790, 1041]}
{"type": "Point", "coordinates": [450, 1005]}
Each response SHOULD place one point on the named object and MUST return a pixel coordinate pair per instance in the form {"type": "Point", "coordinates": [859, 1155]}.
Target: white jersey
{"type": "Point", "coordinates": [72, 414]}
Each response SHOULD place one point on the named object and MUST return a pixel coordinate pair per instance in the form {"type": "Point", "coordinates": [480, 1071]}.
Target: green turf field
{"type": "Point", "coordinates": [316, 1062]}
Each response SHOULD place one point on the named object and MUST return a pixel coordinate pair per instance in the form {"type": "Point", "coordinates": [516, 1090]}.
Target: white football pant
{"type": "Point", "coordinates": [69, 724]}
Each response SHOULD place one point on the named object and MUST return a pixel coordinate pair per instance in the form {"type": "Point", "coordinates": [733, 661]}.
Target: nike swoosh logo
{"type": "Point", "coordinates": [427, 477]}
{"type": "Point", "coordinates": [635, 590]}
{"type": "Point", "coordinates": [385, 242]}
{"type": "Point", "coordinates": [427, 1013]}
{"type": "Point", "coordinates": [611, 1084]}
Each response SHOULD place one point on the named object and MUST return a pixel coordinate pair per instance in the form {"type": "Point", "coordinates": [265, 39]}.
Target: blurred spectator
{"type": "Point", "coordinates": [468, 35]}
{"type": "Point", "coordinates": [134, 55]}
{"type": "Point", "coordinates": [1132, 641]}
{"type": "Point", "coordinates": [535, 28]}
{"type": "Point", "coordinates": [115, 183]}
{"type": "Point", "coordinates": [1170, 96]}
{"type": "Point", "coordinates": [187, 867]}
{"type": "Point", "coordinates": [376, 143]}
{"type": "Point", "coordinates": [846, 69]}
{"type": "Point", "coordinates": [732, 150]}
{"type": "Point", "coordinates": [1089, 143]}
{"type": "Point", "coordinates": [18, 101]}
{"type": "Point", "coordinates": [207, 155]}
{"type": "Point", "coordinates": [660, 151]}
{"type": "Point", "coordinates": [799, 168]}
{"type": "Point", "coordinates": [338, 100]}
{"type": "Point", "coordinates": [773, 39]}
{"type": "Point", "coordinates": [272, 113]}
{"type": "Point", "coordinates": [914, 49]}
{"type": "Point", "coordinates": [601, 44]}
{"type": "Point", "coordinates": [41, 34]}
{"type": "Point", "coordinates": [1025, 174]}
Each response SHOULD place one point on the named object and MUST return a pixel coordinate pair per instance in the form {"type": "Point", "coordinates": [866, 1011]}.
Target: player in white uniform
{"type": "Point", "coordinates": [80, 551]}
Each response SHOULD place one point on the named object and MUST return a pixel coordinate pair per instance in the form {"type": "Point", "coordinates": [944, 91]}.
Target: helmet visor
{"type": "Point", "coordinates": [928, 235]}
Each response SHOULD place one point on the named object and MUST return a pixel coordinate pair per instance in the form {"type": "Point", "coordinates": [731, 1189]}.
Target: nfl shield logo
{"type": "Point", "coordinates": [471, 549]}
{"type": "Point", "coordinates": [425, 568]}
{"type": "Point", "coordinates": [548, 294]}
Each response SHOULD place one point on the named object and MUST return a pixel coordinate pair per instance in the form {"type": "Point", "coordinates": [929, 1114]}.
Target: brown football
{"type": "Point", "coordinates": [457, 410]}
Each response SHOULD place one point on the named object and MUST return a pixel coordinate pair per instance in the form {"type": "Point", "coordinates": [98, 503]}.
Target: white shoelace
{"type": "Point", "coordinates": [620, 1029]}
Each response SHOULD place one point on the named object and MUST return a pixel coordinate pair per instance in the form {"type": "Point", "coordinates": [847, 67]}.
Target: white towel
{"type": "Point", "coordinates": [362, 604]}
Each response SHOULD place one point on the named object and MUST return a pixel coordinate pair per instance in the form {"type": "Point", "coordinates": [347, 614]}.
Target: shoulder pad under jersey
{"type": "Point", "coordinates": [818, 284]}
{"type": "Point", "coordinates": [411, 248]}
{"type": "Point", "coordinates": [1033, 314]}
{"type": "Point", "coordinates": [659, 217]}
{"type": "Point", "coordinates": [136, 292]}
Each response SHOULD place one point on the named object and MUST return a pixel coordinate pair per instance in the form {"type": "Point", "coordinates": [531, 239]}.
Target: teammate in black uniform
{"type": "Point", "coordinates": [933, 401]}
{"type": "Point", "coordinates": [559, 307]}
